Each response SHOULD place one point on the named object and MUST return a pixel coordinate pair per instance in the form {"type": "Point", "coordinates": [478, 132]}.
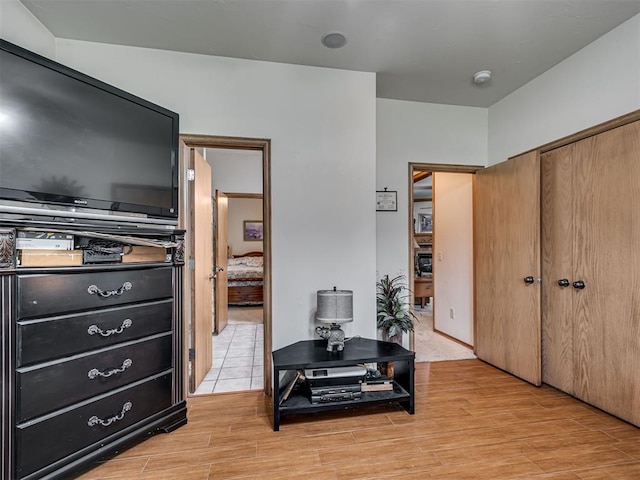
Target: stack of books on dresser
{"type": "Point", "coordinates": [45, 249]}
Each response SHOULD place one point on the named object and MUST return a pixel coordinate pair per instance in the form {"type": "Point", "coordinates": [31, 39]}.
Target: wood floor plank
{"type": "Point", "coordinates": [357, 454]}
{"type": "Point", "coordinates": [117, 469]}
{"type": "Point", "coordinates": [555, 476]}
{"type": "Point", "coordinates": [170, 443]}
{"type": "Point", "coordinates": [195, 472]}
{"type": "Point", "coordinates": [496, 469]}
{"type": "Point", "coordinates": [560, 460]}
{"type": "Point", "coordinates": [479, 452]}
{"type": "Point", "coordinates": [269, 446]}
{"type": "Point", "coordinates": [390, 465]}
{"type": "Point", "coordinates": [472, 421]}
{"type": "Point", "coordinates": [201, 456]}
{"type": "Point", "coordinates": [564, 441]}
{"type": "Point", "coordinates": [630, 471]}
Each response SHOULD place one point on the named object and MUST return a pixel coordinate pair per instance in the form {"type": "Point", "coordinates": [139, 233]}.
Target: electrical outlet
{"type": "Point", "coordinates": [440, 256]}
{"type": "Point", "coordinates": [452, 313]}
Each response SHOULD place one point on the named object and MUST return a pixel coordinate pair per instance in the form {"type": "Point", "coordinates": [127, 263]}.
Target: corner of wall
{"type": "Point", "coordinates": [18, 25]}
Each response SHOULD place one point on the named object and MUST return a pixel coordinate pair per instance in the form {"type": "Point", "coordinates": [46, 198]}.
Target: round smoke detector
{"type": "Point", "coordinates": [481, 77]}
{"type": "Point", "coordinates": [334, 40]}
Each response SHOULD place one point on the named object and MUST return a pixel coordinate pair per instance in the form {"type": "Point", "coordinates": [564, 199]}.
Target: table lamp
{"type": "Point", "coordinates": [334, 308]}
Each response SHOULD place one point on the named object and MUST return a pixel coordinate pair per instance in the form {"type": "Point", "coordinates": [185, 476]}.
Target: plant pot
{"type": "Point", "coordinates": [395, 339]}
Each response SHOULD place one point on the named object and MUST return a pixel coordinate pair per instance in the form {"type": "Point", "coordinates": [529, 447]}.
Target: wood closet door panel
{"type": "Point", "coordinates": [558, 363]}
{"type": "Point", "coordinates": [507, 249]}
{"type": "Point", "coordinates": [607, 259]}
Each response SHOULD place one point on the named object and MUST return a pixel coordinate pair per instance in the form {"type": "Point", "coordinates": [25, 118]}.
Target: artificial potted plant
{"type": "Point", "coordinates": [394, 315]}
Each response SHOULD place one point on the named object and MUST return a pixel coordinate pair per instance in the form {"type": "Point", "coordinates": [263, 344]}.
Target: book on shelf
{"type": "Point", "coordinates": [288, 387]}
{"type": "Point", "coordinates": [377, 387]}
{"type": "Point", "coordinates": [377, 384]}
{"type": "Point", "coordinates": [44, 235]}
{"type": "Point", "coordinates": [49, 258]}
{"type": "Point", "coordinates": [57, 242]}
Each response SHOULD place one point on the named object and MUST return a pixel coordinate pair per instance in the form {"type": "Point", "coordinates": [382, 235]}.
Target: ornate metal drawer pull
{"type": "Point", "coordinates": [93, 289]}
{"type": "Point", "coordinates": [116, 418]}
{"type": "Point", "coordinates": [95, 373]}
{"type": "Point", "coordinates": [93, 329]}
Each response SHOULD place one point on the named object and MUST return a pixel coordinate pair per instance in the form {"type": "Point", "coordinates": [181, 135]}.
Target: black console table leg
{"type": "Point", "coordinates": [276, 400]}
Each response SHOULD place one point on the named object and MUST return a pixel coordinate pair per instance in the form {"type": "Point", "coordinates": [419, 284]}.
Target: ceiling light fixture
{"type": "Point", "coordinates": [481, 77]}
{"type": "Point", "coordinates": [334, 40]}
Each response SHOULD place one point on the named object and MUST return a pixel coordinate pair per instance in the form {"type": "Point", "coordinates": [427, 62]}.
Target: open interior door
{"type": "Point", "coordinates": [507, 266]}
{"type": "Point", "coordinates": [202, 286]}
{"type": "Point", "coordinates": [222, 293]}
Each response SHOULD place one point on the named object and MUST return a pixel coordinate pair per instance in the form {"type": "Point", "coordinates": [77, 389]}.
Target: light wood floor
{"type": "Point", "coordinates": [472, 421]}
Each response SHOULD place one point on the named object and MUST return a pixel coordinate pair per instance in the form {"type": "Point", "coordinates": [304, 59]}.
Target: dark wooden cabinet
{"type": "Point", "coordinates": [91, 359]}
{"type": "Point", "coordinates": [65, 335]}
{"type": "Point", "coordinates": [70, 292]}
{"type": "Point", "coordinates": [48, 444]}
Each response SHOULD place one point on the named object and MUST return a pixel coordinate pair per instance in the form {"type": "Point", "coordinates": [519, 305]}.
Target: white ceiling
{"type": "Point", "coordinates": [421, 50]}
{"type": "Point", "coordinates": [422, 189]}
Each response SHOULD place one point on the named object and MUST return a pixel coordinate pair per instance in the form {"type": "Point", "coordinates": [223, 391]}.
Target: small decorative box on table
{"type": "Point", "coordinates": [312, 354]}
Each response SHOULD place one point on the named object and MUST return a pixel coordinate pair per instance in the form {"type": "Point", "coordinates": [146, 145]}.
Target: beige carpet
{"type": "Point", "coordinates": [433, 347]}
{"type": "Point", "coordinates": [239, 315]}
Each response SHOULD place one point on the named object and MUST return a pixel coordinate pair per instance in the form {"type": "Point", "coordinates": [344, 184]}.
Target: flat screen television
{"type": "Point", "coordinates": [70, 140]}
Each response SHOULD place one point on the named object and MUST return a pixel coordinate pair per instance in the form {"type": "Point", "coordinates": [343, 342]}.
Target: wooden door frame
{"type": "Point", "coordinates": [430, 167]}
{"type": "Point", "coordinates": [263, 145]}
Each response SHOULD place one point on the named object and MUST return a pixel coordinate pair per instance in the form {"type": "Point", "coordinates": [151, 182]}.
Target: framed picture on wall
{"type": "Point", "coordinates": [252, 230]}
{"type": "Point", "coordinates": [425, 223]}
{"type": "Point", "coordinates": [386, 201]}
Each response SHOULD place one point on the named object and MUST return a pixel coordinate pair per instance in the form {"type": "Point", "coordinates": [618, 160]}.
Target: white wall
{"type": "Point", "coordinates": [419, 133]}
{"type": "Point", "coordinates": [453, 255]}
{"type": "Point", "coordinates": [322, 126]}
{"type": "Point", "coordinates": [235, 171]}
{"type": "Point", "coordinates": [596, 84]}
{"type": "Point", "coordinates": [19, 26]}
{"type": "Point", "coordinates": [241, 209]}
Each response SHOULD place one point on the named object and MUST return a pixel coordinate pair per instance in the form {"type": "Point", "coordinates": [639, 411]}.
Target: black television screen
{"type": "Point", "coordinates": [69, 139]}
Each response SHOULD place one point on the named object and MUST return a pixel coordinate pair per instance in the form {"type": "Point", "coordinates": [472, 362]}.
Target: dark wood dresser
{"type": "Point", "coordinates": [91, 357]}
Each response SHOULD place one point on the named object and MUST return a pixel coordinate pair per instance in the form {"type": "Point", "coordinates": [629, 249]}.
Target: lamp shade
{"type": "Point", "coordinates": [335, 306]}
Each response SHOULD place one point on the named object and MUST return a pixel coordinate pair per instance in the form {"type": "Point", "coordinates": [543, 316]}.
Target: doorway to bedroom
{"type": "Point", "coordinates": [238, 326]}
{"type": "Point", "coordinates": [230, 331]}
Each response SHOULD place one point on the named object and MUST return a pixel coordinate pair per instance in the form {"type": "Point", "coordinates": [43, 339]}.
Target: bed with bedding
{"type": "Point", "coordinates": [245, 279]}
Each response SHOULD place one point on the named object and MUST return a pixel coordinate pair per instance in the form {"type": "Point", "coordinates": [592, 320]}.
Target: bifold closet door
{"type": "Point", "coordinates": [607, 260]}
{"type": "Point", "coordinates": [507, 266]}
{"type": "Point", "coordinates": [557, 244]}
{"type": "Point", "coordinates": [591, 270]}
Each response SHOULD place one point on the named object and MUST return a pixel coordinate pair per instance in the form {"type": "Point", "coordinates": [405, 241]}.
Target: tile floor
{"type": "Point", "coordinates": [237, 360]}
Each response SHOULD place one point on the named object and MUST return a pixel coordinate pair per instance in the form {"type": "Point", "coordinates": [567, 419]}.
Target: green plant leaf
{"type": "Point", "coordinates": [394, 314]}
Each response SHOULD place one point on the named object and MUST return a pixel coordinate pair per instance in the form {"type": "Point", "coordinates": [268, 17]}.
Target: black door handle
{"type": "Point", "coordinates": [563, 282]}
{"type": "Point", "coordinates": [528, 280]}
{"type": "Point", "coordinates": [579, 285]}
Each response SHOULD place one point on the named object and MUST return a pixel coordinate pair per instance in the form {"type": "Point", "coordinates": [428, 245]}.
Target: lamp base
{"type": "Point", "coordinates": [334, 336]}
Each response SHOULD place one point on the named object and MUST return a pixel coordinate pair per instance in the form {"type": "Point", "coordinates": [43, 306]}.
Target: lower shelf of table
{"type": "Point", "coordinates": [299, 401]}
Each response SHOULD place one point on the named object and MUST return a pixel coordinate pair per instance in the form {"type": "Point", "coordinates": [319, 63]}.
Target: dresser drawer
{"type": "Point", "coordinates": [52, 438]}
{"type": "Point", "coordinates": [57, 337]}
{"type": "Point", "coordinates": [40, 295]}
{"type": "Point", "coordinates": [47, 387]}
